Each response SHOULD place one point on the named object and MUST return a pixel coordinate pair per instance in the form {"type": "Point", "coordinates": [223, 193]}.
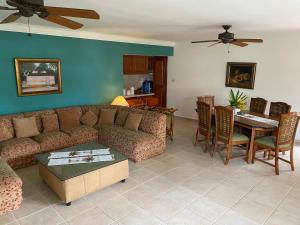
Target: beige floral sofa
{"type": "Point", "coordinates": [146, 142]}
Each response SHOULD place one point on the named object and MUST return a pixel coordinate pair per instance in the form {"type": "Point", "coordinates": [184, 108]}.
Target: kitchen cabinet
{"type": "Point", "coordinates": [135, 64]}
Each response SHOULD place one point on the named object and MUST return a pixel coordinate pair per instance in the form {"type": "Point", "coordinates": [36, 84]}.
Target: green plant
{"type": "Point", "coordinates": [237, 100]}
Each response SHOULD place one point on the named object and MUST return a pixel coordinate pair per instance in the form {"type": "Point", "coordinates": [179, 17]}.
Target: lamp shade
{"type": "Point", "coordinates": [120, 100]}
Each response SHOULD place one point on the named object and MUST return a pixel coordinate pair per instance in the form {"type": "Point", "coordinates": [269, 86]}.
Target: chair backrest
{"type": "Point", "coordinates": [209, 99]}
{"type": "Point", "coordinates": [204, 111]}
{"type": "Point", "coordinates": [287, 128]}
{"type": "Point", "coordinates": [258, 105]}
{"type": "Point", "coordinates": [278, 108]}
{"type": "Point", "coordinates": [224, 122]}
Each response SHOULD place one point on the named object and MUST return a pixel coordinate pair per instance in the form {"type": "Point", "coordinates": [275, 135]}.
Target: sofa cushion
{"type": "Point", "coordinates": [10, 117]}
{"type": "Point", "coordinates": [136, 145]}
{"type": "Point", "coordinates": [82, 134]}
{"type": "Point", "coordinates": [10, 188]}
{"type": "Point", "coordinates": [18, 148]}
{"type": "Point", "coordinates": [25, 127]}
{"type": "Point", "coordinates": [89, 119]}
{"type": "Point", "coordinates": [69, 117]}
{"type": "Point", "coordinates": [50, 123]}
{"type": "Point", "coordinates": [6, 129]}
{"type": "Point", "coordinates": [133, 121]}
{"type": "Point", "coordinates": [121, 118]}
{"type": "Point", "coordinates": [38, 116]}
{"type": "Point", "coordinates": [107, 116]}
{"type": "Point", "coordinates": [53, 140]}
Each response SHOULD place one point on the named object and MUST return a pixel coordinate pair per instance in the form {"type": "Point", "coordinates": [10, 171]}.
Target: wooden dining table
{"type": "Point", "coordinates": [254, 127]}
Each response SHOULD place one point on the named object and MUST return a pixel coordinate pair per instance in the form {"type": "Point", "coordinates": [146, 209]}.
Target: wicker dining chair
{"type": "Point", "coordinates": [209, 99]}
{"type": "Point", "coordinates": [225, 132]}
{"type": "Point", "coordinates": [278, 108]}
{"type": "Point", "coordinates": [258, 105]}
{"type": "Point", "coordinates": [204, 112]}
{"type": "Point", "coordinates": [282, 142]}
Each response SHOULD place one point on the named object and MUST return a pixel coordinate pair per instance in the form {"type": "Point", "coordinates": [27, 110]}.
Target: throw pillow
{"type": "Point", "coordinates": [107, 116]}
{"type": "Point", "coordinates": [68, 119]}
{"type": "Point", "coordinates": [133, 121]}
{"type": "Point", "coordinates": [89, 119]}
{"type": "Point", "coordinates": [121, 118]}
{"type": "Point", "coordinates": [25, 127]}
{"type": "Point", "coordinates": [6, 129]}
{"type": "Point", "coordinates": [50, 123]}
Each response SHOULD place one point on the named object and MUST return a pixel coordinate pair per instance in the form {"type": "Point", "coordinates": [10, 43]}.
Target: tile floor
{"type": "Point", "coordinates": [183, 186]}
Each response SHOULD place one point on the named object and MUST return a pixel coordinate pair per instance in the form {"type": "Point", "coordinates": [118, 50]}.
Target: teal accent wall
{"type": "Point", "coordinates": [91, 69]}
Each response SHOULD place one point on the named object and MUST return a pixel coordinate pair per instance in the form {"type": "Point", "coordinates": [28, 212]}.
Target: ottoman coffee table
{"type": "Point", "coordinates": [71, 182]}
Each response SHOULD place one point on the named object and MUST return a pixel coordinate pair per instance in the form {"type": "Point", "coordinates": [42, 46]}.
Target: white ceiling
{"type": "Point", "coordinates": [174, 20]}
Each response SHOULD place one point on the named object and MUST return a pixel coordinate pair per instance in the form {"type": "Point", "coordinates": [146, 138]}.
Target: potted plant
{"type": "Point", "coordinates": [237, 100]}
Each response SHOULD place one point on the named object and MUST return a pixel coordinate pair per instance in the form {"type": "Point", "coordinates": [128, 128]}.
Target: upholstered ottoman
{"type": "Point", "coordinates": [10, 188]}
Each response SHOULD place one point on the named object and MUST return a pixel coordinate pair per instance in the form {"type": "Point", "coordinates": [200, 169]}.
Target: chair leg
{"type": "Point", "coordinates": [196, 139]}
{"type": "Point", "coordinates": [254, 153]}
{"type": "Point", "coordinates": [276, 162]}
{"type": "Point", "coordinates": [229, 153]}
{"type": "Point", "coordinates": [215, 147]}
{"type": "Point", "coordinates": [292, 158]}
{"type": "Point", "coordinates": [265, 154]}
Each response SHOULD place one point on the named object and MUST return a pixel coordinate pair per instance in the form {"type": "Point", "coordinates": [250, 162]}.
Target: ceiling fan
{"type": "Point", "coordinates": [228, 38]}
{"type": "Point", "coordinates": [28, 8]}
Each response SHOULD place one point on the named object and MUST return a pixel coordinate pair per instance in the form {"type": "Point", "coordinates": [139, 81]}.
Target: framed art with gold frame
{"type": "Point", "coordinates": [38, 76]}
{"type": "Point", "coordinates": [240, 75]}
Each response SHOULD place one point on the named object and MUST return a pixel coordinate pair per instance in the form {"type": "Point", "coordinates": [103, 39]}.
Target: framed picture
{"type": "Point", "coordinates": [240, 75]}
{"type": "Point", "coordinates": [38, 76]}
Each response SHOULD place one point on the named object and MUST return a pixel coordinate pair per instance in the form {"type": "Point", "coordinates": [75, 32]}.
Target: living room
{"type": "Point", "coordinates": [148, 112]}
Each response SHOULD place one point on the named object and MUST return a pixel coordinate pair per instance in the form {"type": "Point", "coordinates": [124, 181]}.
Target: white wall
{"type": "Point", "coordinates": [196, 70]}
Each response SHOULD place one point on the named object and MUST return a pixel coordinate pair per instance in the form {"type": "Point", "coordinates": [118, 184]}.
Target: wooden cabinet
{"type": "Point", "coordinates": [135, 64]}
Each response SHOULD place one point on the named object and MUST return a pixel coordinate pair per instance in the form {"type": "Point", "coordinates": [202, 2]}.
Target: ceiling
{"type": "Point", "coordinates": [176, 20]}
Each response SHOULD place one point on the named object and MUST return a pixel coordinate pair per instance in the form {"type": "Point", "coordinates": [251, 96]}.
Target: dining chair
{"type": "Point", "coordinates": [278, 108]}
{"type": "Point", "coordinates": [209, 99]}
{"type": "Point", "coordinates": [258, 105]}
{"type": "Point", "coordinates": [282, 142]}
{"type": "Point", "coordinates": [225, 132]}
{"type": "Point", "coordinates": [204, 128]}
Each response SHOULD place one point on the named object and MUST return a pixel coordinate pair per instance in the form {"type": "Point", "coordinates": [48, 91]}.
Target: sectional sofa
{"type": "Point", "coordinates": [144, 143]}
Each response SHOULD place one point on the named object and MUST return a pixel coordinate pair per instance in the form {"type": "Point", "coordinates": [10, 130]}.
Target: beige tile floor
{"type": "Point", "coordinates": [183, 186]}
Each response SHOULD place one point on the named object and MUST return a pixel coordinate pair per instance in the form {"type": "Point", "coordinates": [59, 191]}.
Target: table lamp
{"type": "Point", "coordinates": [120, 100]}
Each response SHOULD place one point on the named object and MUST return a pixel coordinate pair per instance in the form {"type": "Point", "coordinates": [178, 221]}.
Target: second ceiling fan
{"type": "Point", "coordinates": [228, 38]}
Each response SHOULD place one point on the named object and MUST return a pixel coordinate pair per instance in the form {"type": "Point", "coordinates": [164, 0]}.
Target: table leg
{"type": "Point", "coordinates": [250, 150]}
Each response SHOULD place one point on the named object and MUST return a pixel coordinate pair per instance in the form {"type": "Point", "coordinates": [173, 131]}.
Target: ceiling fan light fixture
{"type": "Point", "coordinates": [228, 38]}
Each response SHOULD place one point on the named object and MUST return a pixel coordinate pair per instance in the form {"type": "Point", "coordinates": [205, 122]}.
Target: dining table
{"type": "Point", "coordinates": [255, 123]}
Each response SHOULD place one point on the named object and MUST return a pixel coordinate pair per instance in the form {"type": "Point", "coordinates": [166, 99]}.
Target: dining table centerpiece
{"type": "Point", "coordinates": [237, 100]}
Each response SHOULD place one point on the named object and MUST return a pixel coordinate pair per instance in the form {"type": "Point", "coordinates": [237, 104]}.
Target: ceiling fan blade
{"type": "Point", "coordinates": [219, 42]}
{"type": "Point", "coordinates": [63, 21]}
{"type": "Point", "coordinates": [6, 8]}
{"type": "Point", "coordinates": [11, 18]}
{"type": "Point", "coordinates": [249, 40]}
{"type": "Point", "coordinates": [205, 41]}
{"type": "Point", "coordinates": [239, 43]}
{"type": "Point", "coordinates": [82, 13]}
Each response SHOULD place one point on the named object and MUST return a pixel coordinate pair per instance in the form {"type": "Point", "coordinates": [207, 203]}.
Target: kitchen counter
{"type": "Point", "coordinates": [138, 95]}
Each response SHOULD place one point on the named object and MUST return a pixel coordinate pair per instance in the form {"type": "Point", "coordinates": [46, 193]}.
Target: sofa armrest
{"type": "Point", "coordinates": [10, 188]}
{"type": "Point", "coordinates": [154, 123]}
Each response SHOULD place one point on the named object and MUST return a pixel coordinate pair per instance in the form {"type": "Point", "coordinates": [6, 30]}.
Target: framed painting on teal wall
{"type": "Point", "coordinates": [38, 76]}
